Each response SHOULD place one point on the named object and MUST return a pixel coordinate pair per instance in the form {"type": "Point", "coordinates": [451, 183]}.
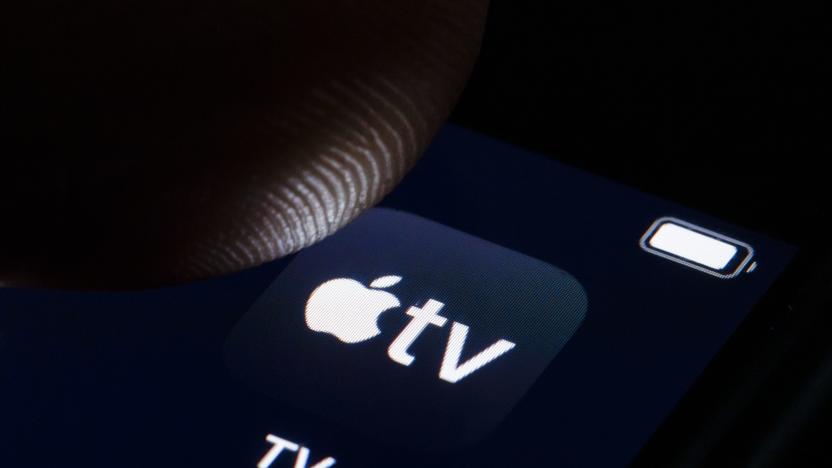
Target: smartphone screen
{"type": "Point", "coordinates": [498, 308]}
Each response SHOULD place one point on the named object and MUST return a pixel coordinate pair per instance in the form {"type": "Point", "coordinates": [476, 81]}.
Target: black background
{"type": "Point", "coordinates": [666, 97]}
{"type": "Point", "coordinates": [722, 106]}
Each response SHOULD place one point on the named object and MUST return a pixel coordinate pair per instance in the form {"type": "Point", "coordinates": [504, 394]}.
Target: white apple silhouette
{"type": "Point", "coordinates": [347, 309]}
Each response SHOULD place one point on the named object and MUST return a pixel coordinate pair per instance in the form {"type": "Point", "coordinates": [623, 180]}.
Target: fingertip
{"type": "Point", "coordinates": [278, 132]}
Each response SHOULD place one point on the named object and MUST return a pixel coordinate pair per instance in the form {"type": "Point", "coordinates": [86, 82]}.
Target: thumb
{"type": "Point", "coordinates": [163, 141]}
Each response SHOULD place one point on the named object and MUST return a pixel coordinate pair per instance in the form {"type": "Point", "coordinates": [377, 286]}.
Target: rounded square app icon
{"type": "Point", "coordinates": [407, 331]}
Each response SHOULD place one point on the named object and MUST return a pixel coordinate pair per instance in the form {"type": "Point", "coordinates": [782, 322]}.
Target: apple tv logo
{"type": "Point", "coordinates": [344, 308]}
{"type": "Point", "coordinates": [407, 331]}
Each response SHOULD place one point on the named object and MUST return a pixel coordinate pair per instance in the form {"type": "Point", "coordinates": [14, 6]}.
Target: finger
{"type": "Point", "coordinates": [159, 142]}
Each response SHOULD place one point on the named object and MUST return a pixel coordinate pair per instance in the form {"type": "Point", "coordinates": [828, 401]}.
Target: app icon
{"type": "Point", "coordinates": [406, 330]}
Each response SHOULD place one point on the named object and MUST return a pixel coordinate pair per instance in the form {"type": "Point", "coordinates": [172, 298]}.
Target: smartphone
{"type": "Point", "coordinates": [498, 308]}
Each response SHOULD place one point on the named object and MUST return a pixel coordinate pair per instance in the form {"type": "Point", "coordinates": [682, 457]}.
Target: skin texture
{"type": "Point", "coordinates": [157, 142]}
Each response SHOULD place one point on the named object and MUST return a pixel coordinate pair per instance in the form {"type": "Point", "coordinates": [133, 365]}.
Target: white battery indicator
{"type": "Point", "coordinates": [699, 248]}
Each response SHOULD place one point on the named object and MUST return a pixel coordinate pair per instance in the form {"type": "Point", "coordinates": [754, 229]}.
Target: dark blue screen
{"type": "Point", "coordinates": [138, 378]}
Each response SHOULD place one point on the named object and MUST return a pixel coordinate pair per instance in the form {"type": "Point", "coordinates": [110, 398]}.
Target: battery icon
{"type": "Point", "coordinates": [699, 248]}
